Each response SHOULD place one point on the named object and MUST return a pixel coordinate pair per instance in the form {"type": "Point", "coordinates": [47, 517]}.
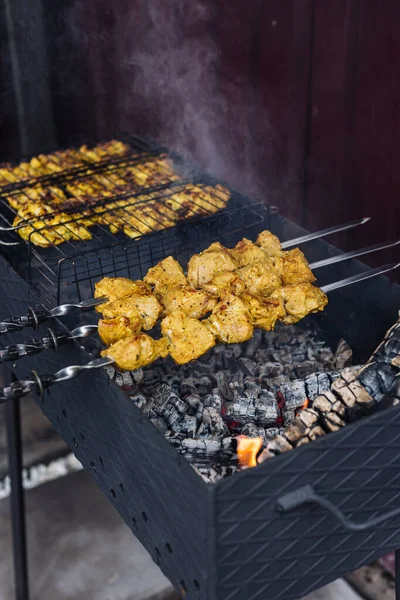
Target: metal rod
{"type": "Point", "coordinates": [324, 232]}
{"type": "Point", "coordinates": [359, 277]}
{"type": "Point", "coordinates": [17, 499]}
{"type": "Point", "coordinates": [353, 254]}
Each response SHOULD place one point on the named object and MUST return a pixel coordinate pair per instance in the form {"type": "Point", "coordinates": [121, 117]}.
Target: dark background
{"type": "Point", "coordinates": [295, 101]}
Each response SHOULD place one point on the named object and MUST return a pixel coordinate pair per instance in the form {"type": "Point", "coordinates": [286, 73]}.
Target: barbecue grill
{"type": "Point", "coordinates": [262, 532]}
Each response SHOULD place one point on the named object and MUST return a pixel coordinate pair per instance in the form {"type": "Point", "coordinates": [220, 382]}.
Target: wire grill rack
{"type": "Point", "coordinates": [68, 270]}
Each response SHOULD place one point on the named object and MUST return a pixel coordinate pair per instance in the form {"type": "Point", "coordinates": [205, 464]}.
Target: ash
{"type": "Point", "coordinates": [233, 390]}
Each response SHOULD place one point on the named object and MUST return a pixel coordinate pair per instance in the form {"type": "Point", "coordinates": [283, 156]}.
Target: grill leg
{"type": "Point", "coordinates": [13, 424]}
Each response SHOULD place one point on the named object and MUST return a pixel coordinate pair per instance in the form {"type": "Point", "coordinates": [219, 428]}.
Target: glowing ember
{"type": "Point", "coordinates": [247, 450]}
{"type": "Point", "coordinates": [306, 403]}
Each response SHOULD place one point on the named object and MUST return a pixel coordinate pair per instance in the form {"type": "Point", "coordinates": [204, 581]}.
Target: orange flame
{"type": "Point", "coordinates": [306, 403]}
{"type": "Point", "coordinates": [247, 450]}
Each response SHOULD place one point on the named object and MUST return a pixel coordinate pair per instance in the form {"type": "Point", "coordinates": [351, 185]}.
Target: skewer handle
{"type": "Point", "coordinates": [39, 383]}
{"type": "Point", "coordinates": [50, 342]}
{"type": "Point", "coordinates": [33, 319]}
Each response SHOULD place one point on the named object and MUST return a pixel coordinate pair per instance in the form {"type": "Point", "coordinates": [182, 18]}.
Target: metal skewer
{"type": "Point", "coordinates": [324, 232]}
{"type": "Point", "coordinates": [353, 254]}
{"type": "Point", "coordinates": [359, 277]}
{"type": "Point", "coordinates": [35, 317]}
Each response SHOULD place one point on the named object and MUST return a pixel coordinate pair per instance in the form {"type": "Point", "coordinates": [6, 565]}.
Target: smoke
{"type": "Point", "coordinates": [178, 79]}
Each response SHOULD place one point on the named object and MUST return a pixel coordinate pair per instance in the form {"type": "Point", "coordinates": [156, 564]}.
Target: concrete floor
{"type": "Point", "coordinates": [80, 549]}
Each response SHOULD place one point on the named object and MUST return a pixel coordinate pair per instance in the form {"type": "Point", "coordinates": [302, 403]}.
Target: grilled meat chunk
{"type": "Point", "coordinates": [300, 300]}
{"type": "Point", "coordinates": [261, 277]}
{"type": "Point", "coordinates": [119, 287]}
{"type": "Point", "coordinates": [269, 243]}
{"type": "Point", "coordinates": [204, 266]}
{"type": "Point", "coordinates": [134, 352]}
{"type": "Point", "coordinates": [224, 282]}
{"type": "Point", "coordinates": [165, 276]}
{"type": "Point", "coordinates": [246, 252]}
{"type": "Point", "coordinates": [112, 330]}
{"type": "Point", "coordinates": [230, 321]}
{"type": "Point", "coordinates": [144, 306]}
{"type": "Point", "coordinates": [294, 268]}
{"type": "Point", "coordinates": [187, 338]}
{"type": "Point", "coordinates": [194, 303]}
{"type": "Point", "coordinates": [265, 312]}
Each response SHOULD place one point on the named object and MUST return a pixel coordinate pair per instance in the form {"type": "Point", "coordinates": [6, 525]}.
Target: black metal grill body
{"type": "Point", "coordinates": [226, 541]}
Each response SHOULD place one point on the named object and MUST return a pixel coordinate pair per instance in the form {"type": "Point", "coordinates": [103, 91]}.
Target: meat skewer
{"type": "Point", "coordinates": [189, 338]}
{"type": "Point", "coordinates": [41, 382]}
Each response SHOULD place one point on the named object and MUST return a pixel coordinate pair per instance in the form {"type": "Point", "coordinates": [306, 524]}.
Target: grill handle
{"type": "Point", "coordinates": [307, 495]}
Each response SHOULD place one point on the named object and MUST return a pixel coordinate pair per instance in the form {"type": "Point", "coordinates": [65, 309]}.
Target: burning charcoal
{"type": "Point", "coordinates": [213, 419]}
{"type": "Point", "coordinates": [279, 444]}
{"type": "Point", "coordinates": [271, 432]}
{"type": "Point", "coordinates": [315, 433]}
{"type": "Point", "coordinates": [343, 355]}
{"type": "Point", "coordinates": [227, 443]}
{"type": "Point", "coordinates": [306, 367]}
{"type": "Point", "coordinates": [204, 431]}
{"type": "Point", "coordinates": [192, 401]}
{"type": "Point", "coordinates": [160, 424]}
{"type": "Point", "coordinates": [208, 366]}
{"type": "Point", "coordinates": [253, 344]}
{"type": "Point", "coordinates": [241, 411]}
{"type": "Point", "coordinates": [191, 385]}
{"type": "Point", "coordinates": [229, 385]}
{"type": "Point", "coordinates": [270, 370]}
{"type": "Point", "coordinates": [149, 378]}
{"type": "Point", "coordinates": [139, 400]}
{"type": "Point", "coordinates": [248, 366]}
{"type": "Point", "coordinates": [214, 400]}
{"type": "Point", "coordinates": [190, 424]}
{"type": "Point", "coordinates": [264, 355]}
{"type": "Point", "coordinates": [229, 360]}
{"type": "Point", "coordinates": [199, 412]}
{"type": "Point", "coordinates": [251, 389]}
{"type": "Point", "coordinates": [309, 417]}
{"type": "Point", "coordinates": [266, 408]}
{"type": "Point", "coordinates": [295, 431]}
{"type": "Point", "coordinates": [253, 430]}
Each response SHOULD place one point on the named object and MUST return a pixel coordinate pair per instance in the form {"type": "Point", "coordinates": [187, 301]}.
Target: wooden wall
{"type": "Point", "coordinates": [295, 101]}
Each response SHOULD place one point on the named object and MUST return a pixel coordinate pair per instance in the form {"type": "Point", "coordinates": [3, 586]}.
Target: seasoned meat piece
{"type": "Point", "coordinates": [230, 321]}
{"type": "Point", "coordinates": [187, 338]}
{"type": "Point", "coordinates": [112, 330]}
{"type": "Point", "coordinates": [166, 275]}
{"type": "Point", "coordinates": [245, 252]}
{"type": "Point", "coordinates": [138, 351]}
{"type": "Point", "coordinates": [265, 312]}
{"type": "Point", "coordinates": [146, 306]}
{"type": "Point", "coordinates": [269, 243]}
{"type": "Point", "coordinates": [295, 268]}
{"type": "Point", "coordinates": [119, 287]}
{"type": "Point", "coordinates": [261, 277]}
{"type": "Point", "coordinates": [204, 266]}
{"type": "Point", "coordinates": [225, 282]}
{"type": "Point", "coordinates": [194, 303]}
{"type": "Point", "coordinates": [301, 300]}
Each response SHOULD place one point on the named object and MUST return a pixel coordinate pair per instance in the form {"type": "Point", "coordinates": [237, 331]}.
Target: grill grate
{"type": "Point", "coordinates": [91, 212]}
